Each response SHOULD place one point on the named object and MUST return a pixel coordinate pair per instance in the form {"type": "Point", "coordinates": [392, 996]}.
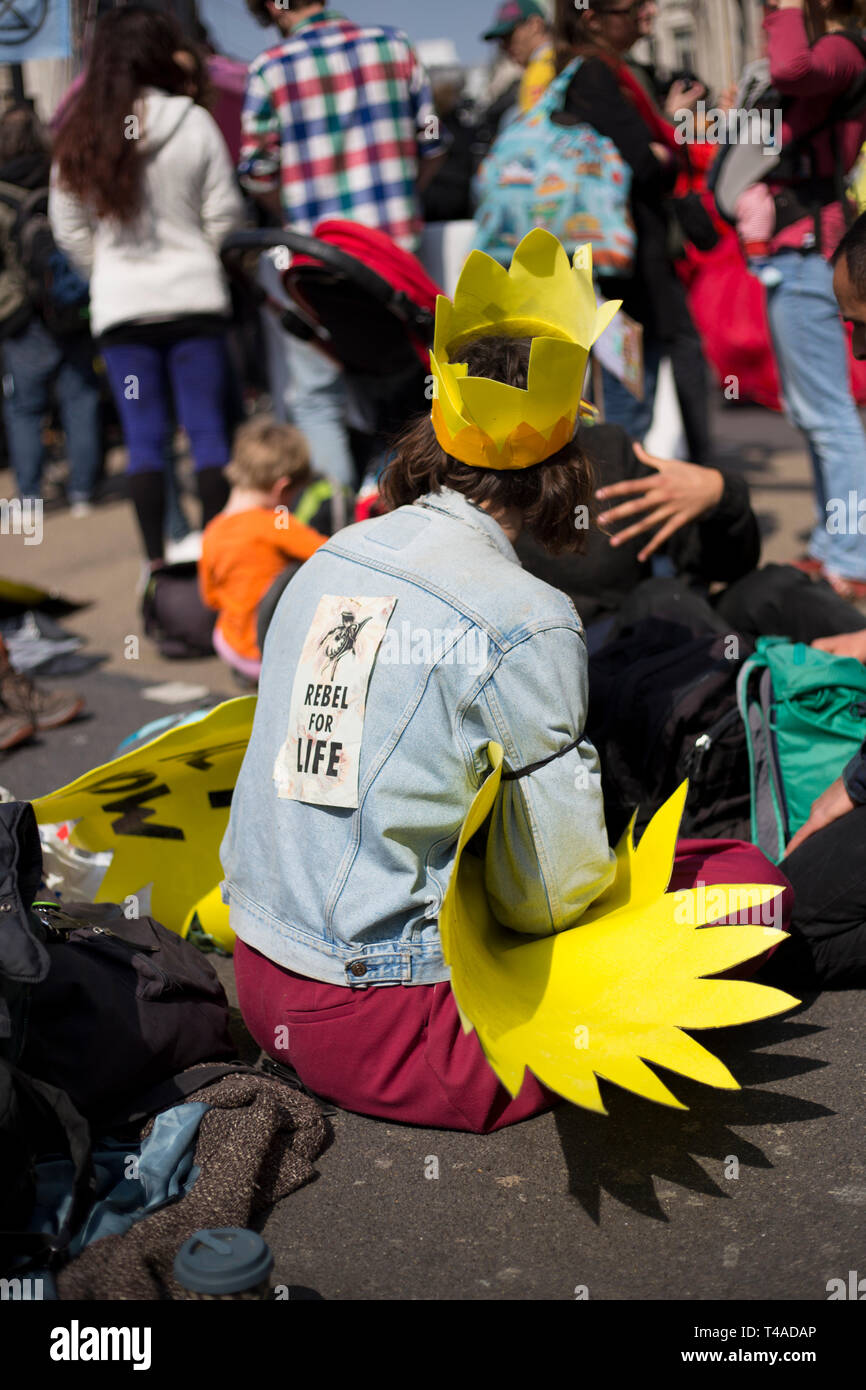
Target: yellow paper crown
{"type": "Point", "coordinates": [485, 423]}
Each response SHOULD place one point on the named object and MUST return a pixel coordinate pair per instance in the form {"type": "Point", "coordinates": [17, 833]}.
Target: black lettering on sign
{"type": "Point", "coordinates": [218, 800]}
{"type": "Point", "coordinates": [202, 759]}
{"type": "Point", "coordinates": [134, 813]}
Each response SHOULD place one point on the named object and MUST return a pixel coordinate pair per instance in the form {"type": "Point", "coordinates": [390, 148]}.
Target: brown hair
{"type": "Point", "coordinates": [572, 36]}
{"type": "Point", "coordinates": [266, 450]}
{"type": "Point", "coordinates": [133, 48]}
{"type": "Point", "coordinates": [547, 494]}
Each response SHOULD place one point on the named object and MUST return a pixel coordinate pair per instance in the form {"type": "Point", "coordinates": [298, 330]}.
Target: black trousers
{"type": "Point", "coordinates": [827, 946]}
{"type": "Point", "coordinates": [774, 601]}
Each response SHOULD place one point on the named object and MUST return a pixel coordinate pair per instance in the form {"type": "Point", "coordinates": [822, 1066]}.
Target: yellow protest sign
{"type": "Point", "coordinates": [162, 811]}
{"type": "Point", "coordinates": [616, 991]}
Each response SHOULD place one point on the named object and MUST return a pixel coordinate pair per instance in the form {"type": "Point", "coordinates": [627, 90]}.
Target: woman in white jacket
{"type": "Point", "coordinates": [143, 192]}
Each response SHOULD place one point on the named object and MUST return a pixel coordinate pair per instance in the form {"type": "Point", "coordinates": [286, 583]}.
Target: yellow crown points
{"type": "Point", "coordinates": [488, 424]}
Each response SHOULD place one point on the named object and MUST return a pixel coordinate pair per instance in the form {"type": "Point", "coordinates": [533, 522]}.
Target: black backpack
{"type": "Point", "coordinates": [36, 1118]}
{"type": "Point", "coordinates": [53, 288]}
{"type": "Point", "coordinates": [102, 1018]}
{"type": "Point", "coordinates": [663, 707]}
{"type": "Point", "coordinates": [175, 615]}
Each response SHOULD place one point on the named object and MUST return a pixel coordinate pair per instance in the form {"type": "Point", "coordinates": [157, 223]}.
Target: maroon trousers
{"type": "Point", "coordinates": [399, 1052]}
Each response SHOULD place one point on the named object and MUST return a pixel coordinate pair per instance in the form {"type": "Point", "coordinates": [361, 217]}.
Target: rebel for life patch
{"type": "Point", "coordinates": [320, 760]}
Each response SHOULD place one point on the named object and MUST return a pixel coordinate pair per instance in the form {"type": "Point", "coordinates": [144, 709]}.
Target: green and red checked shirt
{"type": "Point", "coordinates": [337, 118]}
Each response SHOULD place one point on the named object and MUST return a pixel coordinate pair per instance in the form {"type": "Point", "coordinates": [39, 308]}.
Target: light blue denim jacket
{"type": "Point", "coordinates": [351, 897]}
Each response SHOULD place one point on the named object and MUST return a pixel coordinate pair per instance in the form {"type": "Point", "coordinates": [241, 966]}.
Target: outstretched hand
{"type": "Point", "coordinates": [676, 495]}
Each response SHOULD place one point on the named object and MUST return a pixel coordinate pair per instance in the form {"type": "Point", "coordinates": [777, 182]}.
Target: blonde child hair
{"type": "Point", "coordinates": [266, 450]}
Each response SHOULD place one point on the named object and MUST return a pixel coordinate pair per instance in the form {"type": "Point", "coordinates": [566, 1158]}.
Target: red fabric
{"type": "Point", "coordinates": [374, 249]}
{"type": "Point", "coordinates": [399, 1052]}
{"type": "Point", "coordinates": [661, 129]}
{"type": "Point", "coordinates": [228, 79]}
{"type": "Point", "coordinates": [729, 308]}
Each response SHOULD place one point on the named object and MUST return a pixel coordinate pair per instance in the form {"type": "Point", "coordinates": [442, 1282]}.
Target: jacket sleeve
{"type": "Point", "coordinates": [259, 166]}
{"type": "Point", "coordinates": [804, 70]}
{"type": "Point", "coordinates": [724, 544]}
{"type": "Point", "coordinates": [222, 207]}
{"type": "Point", "coordinates": [297, 541]}
{"type": "Point", "coordinates": [594, 96]}
{"type": "Point", "coordinates": [547, 855]}
{"type": "Point", "coordinates": [73, 227]}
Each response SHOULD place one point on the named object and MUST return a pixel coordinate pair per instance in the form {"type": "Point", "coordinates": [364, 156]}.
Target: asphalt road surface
{"type": "Point", "coordinates": [745, 1196]}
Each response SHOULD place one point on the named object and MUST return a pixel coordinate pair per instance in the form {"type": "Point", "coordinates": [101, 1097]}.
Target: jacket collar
{"type": "Point", "coordinates": [454, 504]}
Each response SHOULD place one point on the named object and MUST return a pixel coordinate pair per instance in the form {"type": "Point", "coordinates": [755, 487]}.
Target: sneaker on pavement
{"type": "Point", "coordinates": [43, 709]}
{"type": "Point", "coordinates": [14, 729]}
{"type": "Point", "coordinates": [184, 552]}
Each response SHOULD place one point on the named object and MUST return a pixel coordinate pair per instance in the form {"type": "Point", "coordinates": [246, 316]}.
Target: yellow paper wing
{"type": "Point", "coordinates": [162, 811]}
{"type": "Point", "coordinates": [614, 992]}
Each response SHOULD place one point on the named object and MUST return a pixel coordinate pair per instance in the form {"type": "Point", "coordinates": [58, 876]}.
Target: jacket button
{"type": "Point", "coordinates": [358, 967]}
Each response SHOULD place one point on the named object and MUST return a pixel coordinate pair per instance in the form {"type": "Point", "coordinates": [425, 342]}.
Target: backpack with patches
{"type": "Point", "coordinates": [548, 170]}
{"type": "Point", "coordinates": [44, 276]}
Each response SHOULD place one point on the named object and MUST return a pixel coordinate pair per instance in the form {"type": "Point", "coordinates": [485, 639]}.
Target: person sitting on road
{"type": "Point", "coordinates": [257, 539]}
{"type": "Point", "coordinates": [400, 651]}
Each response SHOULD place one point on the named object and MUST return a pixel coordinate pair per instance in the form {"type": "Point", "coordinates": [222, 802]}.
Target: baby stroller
{"type": "Point", "coordinates": [365, 302]}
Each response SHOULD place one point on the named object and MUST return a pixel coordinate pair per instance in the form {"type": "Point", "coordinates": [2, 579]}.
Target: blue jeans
{"type": "Point", "coordinates": [318, 404]}
{"type": "Point", "coordinates": [812, 355]}
{"type": "Point", "coordinates": [622, 408]}
{"type": "Point", "coordinates": [33, 362]}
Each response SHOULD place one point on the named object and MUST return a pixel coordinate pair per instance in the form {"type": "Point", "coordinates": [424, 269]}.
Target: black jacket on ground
{"type": "Point", "coordinates": [721, 546]}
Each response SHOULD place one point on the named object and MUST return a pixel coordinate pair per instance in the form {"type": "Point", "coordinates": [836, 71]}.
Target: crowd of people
{"type": "Point", "coordinates": [134, 194]}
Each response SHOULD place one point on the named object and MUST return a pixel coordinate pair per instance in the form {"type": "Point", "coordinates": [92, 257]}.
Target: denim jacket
{"type": "Point", "coordinates": [476, 649]}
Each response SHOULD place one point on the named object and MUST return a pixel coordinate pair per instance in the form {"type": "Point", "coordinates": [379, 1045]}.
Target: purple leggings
{"type": "Point", "coordinates": [145, 379]}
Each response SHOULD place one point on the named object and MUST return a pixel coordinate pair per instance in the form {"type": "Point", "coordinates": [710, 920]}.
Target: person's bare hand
{"type": "Point", "coordinates": [846, 644]}
{"type": "Point", "coordinates": [677, 494]}
{"type": "Point", "coordinates": [661, 152]}
{"type": "Point", "coordinates": [682, 98]}
{"type": "Point", "coordinates": [830, 806]}
{"type": "Point", "coordinates": [728, 99]}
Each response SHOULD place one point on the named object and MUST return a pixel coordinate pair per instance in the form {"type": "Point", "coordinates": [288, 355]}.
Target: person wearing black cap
{"type": "Point", "coordinates": [522, 29]}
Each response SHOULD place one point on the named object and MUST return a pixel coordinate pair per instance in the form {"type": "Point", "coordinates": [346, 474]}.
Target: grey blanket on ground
{"type": "Point", "coordinates": [255, 1145]}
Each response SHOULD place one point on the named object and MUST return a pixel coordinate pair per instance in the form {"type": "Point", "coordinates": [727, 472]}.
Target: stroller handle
{"type": "Point", "coordinates": [266, 238]}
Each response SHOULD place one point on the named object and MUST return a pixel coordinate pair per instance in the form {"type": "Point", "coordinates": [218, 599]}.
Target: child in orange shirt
{"type": "Point", "coordinates": [249, 545]}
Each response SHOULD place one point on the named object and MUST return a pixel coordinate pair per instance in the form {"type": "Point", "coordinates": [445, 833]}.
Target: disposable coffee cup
{"type": "Point", "coordinates": [224, 1264]}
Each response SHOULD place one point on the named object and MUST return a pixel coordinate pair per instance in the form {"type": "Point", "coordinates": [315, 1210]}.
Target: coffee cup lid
{"type": "Point", "coordinates": [223, 1260]}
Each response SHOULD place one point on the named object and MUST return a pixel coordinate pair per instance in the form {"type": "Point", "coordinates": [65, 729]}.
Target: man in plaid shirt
{"type": "Point", "coordinates": [339, 120]}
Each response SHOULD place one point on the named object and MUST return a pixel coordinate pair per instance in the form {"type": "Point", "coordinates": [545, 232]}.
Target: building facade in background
{"type": "Point", "coordinates": [713, 38]}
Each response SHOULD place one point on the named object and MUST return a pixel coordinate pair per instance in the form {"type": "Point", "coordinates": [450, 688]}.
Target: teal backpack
{"type": "Point", "coordinates": [545, 170]}
{"type": "Point", "coordinates": [804, 713]}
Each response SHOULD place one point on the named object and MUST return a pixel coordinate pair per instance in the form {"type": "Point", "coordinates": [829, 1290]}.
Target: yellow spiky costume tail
{"type": "Point", "coordinates": [614, 992]}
